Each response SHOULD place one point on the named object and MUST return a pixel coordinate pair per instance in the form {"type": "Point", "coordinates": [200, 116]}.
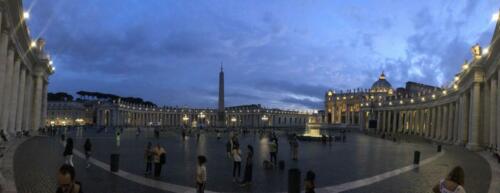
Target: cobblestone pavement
{"type": "Point", "coordinates": [362, 156]}
{"type": "Point", "coordinates": [477, 174]}
{"type": "Point", "coordinates": [38, 159]}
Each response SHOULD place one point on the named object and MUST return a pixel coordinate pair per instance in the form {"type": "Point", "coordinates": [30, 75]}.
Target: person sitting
{"type": "Point", "coordinates": [453, 183]}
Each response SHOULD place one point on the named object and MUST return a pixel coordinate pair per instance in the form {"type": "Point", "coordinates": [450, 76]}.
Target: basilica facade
{"type": "Point", "coordinates": [464, 113]}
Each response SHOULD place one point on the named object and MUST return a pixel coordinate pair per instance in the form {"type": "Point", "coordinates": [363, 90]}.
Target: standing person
{"type": "Point", "coordinates": [159, 152]}
{"type": "Point", "coordinates": [453, 183]}
{"type": "Point", "coordinates": [137, 132]}
{"type": "Point", "coordinates": [148, 156]}
{"type": "Point", "coordinates": [309, 184]}
{"type": "Point", "coordinates": [218, 135]}
{"type": "Point", "coordinates": [272, 151]}
{"type": "Point", "coordinates": [229, 147]}
{"type": "Point", "coordinates": [157, 133]}
{"type": "Point", "coordinates": [236, 162]}
{"type": "Point", "coordinates": [201, 174]}
{"type": "Point", "coordinates": [294, 146]}
{"type": "Point", "coordinates": [66, 180]}
{"type": "Point", "coordinates": [68, 151]}
{"type": "Point", "coordinates": [117, 139]}
{"type": "Point", "coordinates": [88, 148]}
{"type": "Point", "coordinates": [247, 178]}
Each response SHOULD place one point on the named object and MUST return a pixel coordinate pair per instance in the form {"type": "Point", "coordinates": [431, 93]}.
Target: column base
{"type": "Point", "coordinates": [473, 147]}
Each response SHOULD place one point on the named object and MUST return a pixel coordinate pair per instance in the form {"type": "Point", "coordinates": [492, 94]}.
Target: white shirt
{"type": "Point", "coordinates": [236, 155]}
{"type": "Point", "coordinates": [201, 174]}
{"type": "Point", "coordinates": [442, 188]}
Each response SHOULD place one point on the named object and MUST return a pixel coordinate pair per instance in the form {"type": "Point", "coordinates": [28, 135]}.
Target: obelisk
{"type": "Point", "coordinates": [221, 122]}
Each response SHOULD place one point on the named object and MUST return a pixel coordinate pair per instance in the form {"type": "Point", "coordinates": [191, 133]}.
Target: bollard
{"type": "Point", "coordinates": [439, 148]}
{"type": "Point", "coordinates": [114, 165]}
{"type": "Point", "coordinates": [416, 158]}
{"type": "Point", "coordinates": [294, 180]}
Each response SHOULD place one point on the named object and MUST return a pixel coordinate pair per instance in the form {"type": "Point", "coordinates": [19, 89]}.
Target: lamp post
{"type": "Point", "coordinates": [233, 120]}
{"type": "Point", "coordinates": [264, 120]}
{"type": "Point", "coordinates": [185, 119]}
{"type": "Point", "coordinates": [201, 118]}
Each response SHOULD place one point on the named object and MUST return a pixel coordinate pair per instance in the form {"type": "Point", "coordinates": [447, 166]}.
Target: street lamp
{"type": "Point", "coordinates": [233, 120]}
{"type": "Point", "coordinates": [265, 119]}
{"type": "Point", "coordinates": [26, 15]}
{"type": "Point", "coordinates": [185, 119]}
{"type": "Point", "coordinates": [201, 118]}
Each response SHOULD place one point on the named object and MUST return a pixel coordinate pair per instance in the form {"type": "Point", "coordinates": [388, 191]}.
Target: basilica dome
{"type": "Point", "coordinates": [381, 85]}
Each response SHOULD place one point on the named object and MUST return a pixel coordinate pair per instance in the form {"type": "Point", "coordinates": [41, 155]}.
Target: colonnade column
{"type": "Point", "coordinates": [37, 107]}
{"type": "Point", "coordinates": [44, 104]}
{"type": "Point", "coordinates": [28, 102]}
{"type": "Point", "coordinates": [379, 116]}
{"type": "Point", "coordinates": [444, 128]}
{"type": "Point", "coordinates": [439, 122]}
{"type": "Point", "coordinates": [7, 90]}
{"type": "Point", "coordinates": [410, 122]}
{"type": "Point", "coordinates": [406, 123]}
{"type": "Point", "coordinates": [426, 123]}
{"type": "Point", "coordinates": [475, 109]}
{"type": "Point", "coordinates": [432, 127]}
{"type": "Point", "coordinates": [497, 112]}
{"type": "Point", "coordinates": [13, 96]}
{"type": "Point", "coordinates": [20, 102]}
{"type": "Point", "coordinates": [394, 122]}
{"type": "Point", "coordinates": [493, 113]}
{"type": "Point", "coordinates": [4, 42]}
{"type": "Point", "coordinates": [456, 121]}
{"type": "Point", "coordinates": [451, 118]}
{"type": "Point", "coordinates": [384, 121]}
{"type": "Point", "coordinates": [402, 122]}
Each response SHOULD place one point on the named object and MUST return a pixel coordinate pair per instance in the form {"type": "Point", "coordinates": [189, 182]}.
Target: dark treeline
{"type": "Point", "coordinates": [86, 95]}
{"type": "Point", "coordinates": [60, 96]}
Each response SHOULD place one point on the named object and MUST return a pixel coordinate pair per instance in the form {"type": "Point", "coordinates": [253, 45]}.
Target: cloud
{"type": "Point", "coordinates": [279, 54]}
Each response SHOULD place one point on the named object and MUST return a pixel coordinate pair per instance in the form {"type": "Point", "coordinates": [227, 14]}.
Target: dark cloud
{"type": "Point", "coordinates": [273, 53]}
{"type": "Point", "coordinates": [303, 102]}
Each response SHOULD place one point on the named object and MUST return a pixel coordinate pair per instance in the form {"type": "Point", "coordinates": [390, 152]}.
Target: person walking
{"type": "Point", "coordinates": [66, 180]}
{"type": "Point", "coordinates": [309, 184]}
{"type": "Point", "coordinates": [247, 178]}
{"type": "Point", "coordinates": [117, 139]}
{"type": "Point", "coordinates": [148, 156]}
{"type": "Point", "coordinates": [159, 159]}
{"type": "Point", "coordinates": [236, 153]}
{"type": "Point", "coordinates": [272, 151]}
{"type": "Point", "coordinates": [201, 174]}
{"type": "Point", "coordinates": [68, 151]}
{"type": "Point", "coordinates": [88, 149]}
{"type": "Point", "coordinates": [453, 183]}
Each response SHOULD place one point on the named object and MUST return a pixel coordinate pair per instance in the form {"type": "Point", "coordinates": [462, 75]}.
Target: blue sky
{"type": "Point", "coordinates": [278, 53]}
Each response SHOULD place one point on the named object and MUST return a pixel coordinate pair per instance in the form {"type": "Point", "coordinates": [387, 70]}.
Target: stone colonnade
{"type": "Point", "coordinates": [130, 115]}
{"type": "Point", "coordinates": [24, 72]}
{"type": "Point", "coordinates": [465, 114]}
